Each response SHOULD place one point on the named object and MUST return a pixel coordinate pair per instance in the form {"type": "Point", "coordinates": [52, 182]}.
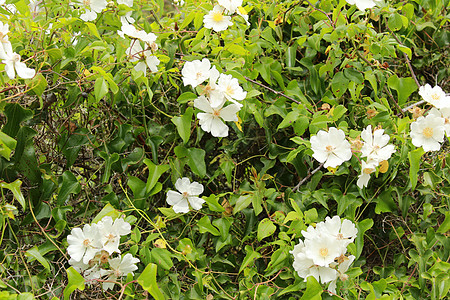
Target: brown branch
{"type": "Point", "coordinates": [306, 178]}
{"type": "Point", "coordinates": [407, 60]}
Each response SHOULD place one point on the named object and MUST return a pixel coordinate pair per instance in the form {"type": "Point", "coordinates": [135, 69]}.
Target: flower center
{"type": "Point", "coordinates": [428, 132]}
{"type": "Point", "coordinates": [368, 171]}
{"type": "Point", "coordinates": [15, 57]}
{"type": "Point", "coordinates": [435, 97]}
{"type": "Point", "coordinates": [230, 90]}
{"type": "Point", "coordinates": [185, 194]}
{"type": "Point", "coordinates": [217, 16]}
{"type": "Point", "coordinates": [86, 242]}
{"type": "Point", "coordinates": [198, 75]}
{"type": "Point", "coordinates": [104, 258]}
{"type": "Point", "coordinates": [340, 236]}
{"type": "Point", "coordinates": [329, 148]}
{"type": "Point", "coordinates": [323, 252]}
{"type": "Point", "coordinates": [87, 2]}
{"type": "Point", "coordinates": [216, 113]}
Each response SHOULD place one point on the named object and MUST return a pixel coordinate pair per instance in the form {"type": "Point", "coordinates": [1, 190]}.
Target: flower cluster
{"type": "Point", "coordinates": [91, 250]}
{"type": "Point", "coordinates": [218, 90]}
{"type": "Point", "coordinates": [428, 132]}
{"type": "Point", "coordinates": [323, 252]}
{"type": "Point", "coordinates": [376, 150]}
{"type": "Point", "coordinates": [10, 58]}
{"type": "Point", "coordinates": [187, 194]}
{"type": "Point", "coordinates": [219, 18]}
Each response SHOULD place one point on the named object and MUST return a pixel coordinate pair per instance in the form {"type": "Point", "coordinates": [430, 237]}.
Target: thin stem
{"type": "Point", "coordinates": [412, 105]}
{"type": "Point", "coordinates": [407, 61]}
{"type": "Point", "coordinates": [275, 92]}
{"type": "Point", "coordinates": [306, 178]}
{"type": "Point", "coordinates": [319, 10]}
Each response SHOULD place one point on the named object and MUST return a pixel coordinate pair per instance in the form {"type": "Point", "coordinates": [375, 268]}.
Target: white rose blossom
{"type": "Point", "coordinates": [216, 20]}
{"type": "Point", "coordinates": [428, 132]}
{"type": "Point", "coordinates": [376, 146]}
{"type": "Point", "coordinates": [367, 168]}
{"type": "Point", "coordinates": [187, 194]}
{"type": "Point", "coordinates": [84, 244]}
{"type": "Point", "coordinates": [91, 8]}
{"type": "Point", "coordinates": [230, 5]}
{"type": "Point", "coordinates": [144, 58]}
{"type": "Point", "coordinates": [120, 267]}
{"type": "Point", "coordinates": [435, 96]}
{"type": "Point", "coordinates": [362, 4]}
{"type": "Point", "coordinates": [231, 89]}
{"type": "Point", "coordinates": [196, 72]}
{"type": "Point", "coordinates": [442, 113]}
{"type": "Point", "coordinates": [212, 120]}
{"type": "Point", "coordinates": [331, 148]}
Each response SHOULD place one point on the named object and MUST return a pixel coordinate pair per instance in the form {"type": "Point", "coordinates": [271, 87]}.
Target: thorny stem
{"type": "Point", "coordinates": [306, 178]}
{"type": "Point", "coordinates": [275, 92]}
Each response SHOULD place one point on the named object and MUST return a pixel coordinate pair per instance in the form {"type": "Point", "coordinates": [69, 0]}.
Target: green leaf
{"type": "Point", "coordinates": [204, 225]}
{"type": "Point", "coordinates": [289, 120]}
{"type": "Point", "coordinates": [162, 258]}
{"type": "Point", "coordinates": [14, 187]}
{"type": "Point", "coordinates": [72, 146]}
{"type": "Point", "coordinates": [414, 165]}
{"type": "Point", "coordinates": [395, 22]}
{"type": "Point", "coordinates": [242, 203]}
{"type": "Point", "coordinates": [183, 124]}
{"type": "Point", "coordinates": [108, 210]}
{"type": "Point", "coordinates": [147, 280]}
{"type": "Point", "coordinates": [38, 84]}
{"type": "Point", "coordinates": [92, 29]}
{"type": "Point", "coordinates": [445, 226]}
{"type": "Point", "coordinates": [70, 185]}
{"type": "Point", "coordinates": [265, 228]}
{"type": "Point", "coordinates": [100, 88]}
{"type": "Point", "coordinates": [188, 19]}
{"type": "Point", "coordinates": [362, 227]}
{"type": "Point", "coordinates": [251, 256]}
{"type": "Point", "coordinates": [7, 145]}
{"type": "Point", "coordinates": [34, 252]}
{"type": "Point", "coordinates": [404, 87]}
{"type": "Point", "coordinates": [339, 84]}
{"type": "Point", "coordinates": [236, 49]}
{"type": "Point", "coordinates": [15, 114]}
{"type": "Point", "coordinates": [214, 204]}
{"type": "Point", "coordinates": [196, 161]}
{"type": "Point", "coordinates": [76, 281]}
{"type": "Point", "coordinates": [186, 97]}
{"type": "Point", "coordinates": [313, 290]}
{"type": "Point", "coordinates": [154, 173]}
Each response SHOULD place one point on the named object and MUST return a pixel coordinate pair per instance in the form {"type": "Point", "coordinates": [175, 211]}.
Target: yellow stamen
{"type": "Point", "coordinates": [217, 16]}
{"type": "Point", "coordinates": [323, 252]}
{"type": "Point", "coordinates": [428, 132]}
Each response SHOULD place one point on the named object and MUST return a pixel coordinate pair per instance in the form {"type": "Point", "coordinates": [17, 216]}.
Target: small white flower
{"type": "Point", "coordinates": [196, 72]}
{"type": "Point", "coordinates": [366, 170]}
{"type": "Point", "coordinates": [84, 244]}
{"type": "Point", "coordinates": [435, 96]}
{"type": "Point", "coordinates": [216, 20]}
{"type": "Point", "coordinates": [91, 8]}
{"type": "Point", "coordinates": [376, 146]}
{"type": "Point", "coordinates": [145, 58]}
{"type": "Point", "coordinates": [428, 132]}
{"type": "Point", "coordinates": [362, 4]}
{"type": "Point", "coordinates": [230, 5]}
{"type": "Point", "coordinates": [231, 89]}
{"type": "Point", "coordinates": [442, 113]}
{"type": "Point", "coordinates": [212, 118]}
{"type": "Point", "coordinates": [120, 267]}
{"type": "Point", "coordinates": [13, 64]}
{"type": "Point", "coordinates": [110, 232]}
{"type": "Point", "coordinates": [187, 194]}
{"type": "Point", "coordinates": [343, 231]}
{"type": "Point", "coordinates": [331, 148]}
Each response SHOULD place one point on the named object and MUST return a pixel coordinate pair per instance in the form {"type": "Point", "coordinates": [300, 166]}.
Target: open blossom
{"type": "Point", "coordinates": [120, 267]}
{"type": "Point", "coordinates": [92, 8]}
{"type": "Point", "coordinates": [231, 89]}
{"type": "Point", "coordinates": [367, 168]}
{"type": "Point", "coordinates": [145, 58]}
{"type": "Point", "coordinates": [428, 132]}
{"type": "Point", "coordinates": [362, 4]}
{"type": "Point", "coordinates": [322, 254]}
{"type": "Point", "coordinates": [187, 194]}
{"type": "Point", "coordinates": [376, 145]}
{"type": "Point", "coordinates": [442, 113]}
{"type": "Point", "coordinates": [110, 232]}
{"type": "Point", "coordinates": [216, 20]}
{"type": "Point", "coordinates": [13, 64]}
{"type": "Point", "coordinates": [212, 118]}
{"type": "Point", "coordinates": [435, 96]}
{"type": "Point", "coordinates": [230, 5]}
{"type": "Point", "coordinates": [196, 72]}
{"type": "Point", "coordinates": [331, 148]}
{"type": "Point", "coordinates": [83, 244]}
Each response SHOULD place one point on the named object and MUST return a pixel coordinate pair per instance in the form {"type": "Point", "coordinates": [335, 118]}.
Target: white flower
{"type": "Point", "coordinates": [212, 118]}
{"type": "Point", "coordinates": [428, 132]}
{"type": "Point", "coordinates": [231, 89]}
{"type": "Point", "coordinates": [331, 148]}
{"type": "Point", "coordinates": [435, 96]}
{"type": "Point", "coordinates": [362, 4]}
{"type": "Point", "coordinates": [375, 146]}
{"type": "Point", "coordinates": [196, 72]}
{"type": "Point", "coordinates": [343, 231]}
{"type": "Point", "coordinates": [305, 266]}
{"type": "Point", "coordinates": [230, 5]}
{"type": "Point", "coordinates": [92, 8]}
{"type": "Point", "coordinates": [216, 20]}
{"type": "Point", "coordinates": [342, 268]}
{"type": "Point", "coordinates": [367, 168]}
{"type": "Point", "coordinates": [145, 58]}
{"type": "Point", "coordinates": [83, 244]}
{"type": "Point", "coordinates": [13, 64]}
{"type": "Point", "coordinates": [322, 250]}
{"type": "Point", "coordinates": [120, 267]}
{"type": "Point", "coordinates": [110, 232]}
{"type": "Point", "coordinates": [5, 45]}
{"type": "Point", "coordinates": [211, 90]}
{"type": "Point", "coordinates": [442, 113]}
{"type": "Point", "coordinates": [187, 194]}
{"type": "Point", "coordinates": [128, 3]}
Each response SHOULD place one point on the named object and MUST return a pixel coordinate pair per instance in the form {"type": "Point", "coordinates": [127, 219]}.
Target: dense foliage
{"type": "Point", "coordinates": [200, 146]}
